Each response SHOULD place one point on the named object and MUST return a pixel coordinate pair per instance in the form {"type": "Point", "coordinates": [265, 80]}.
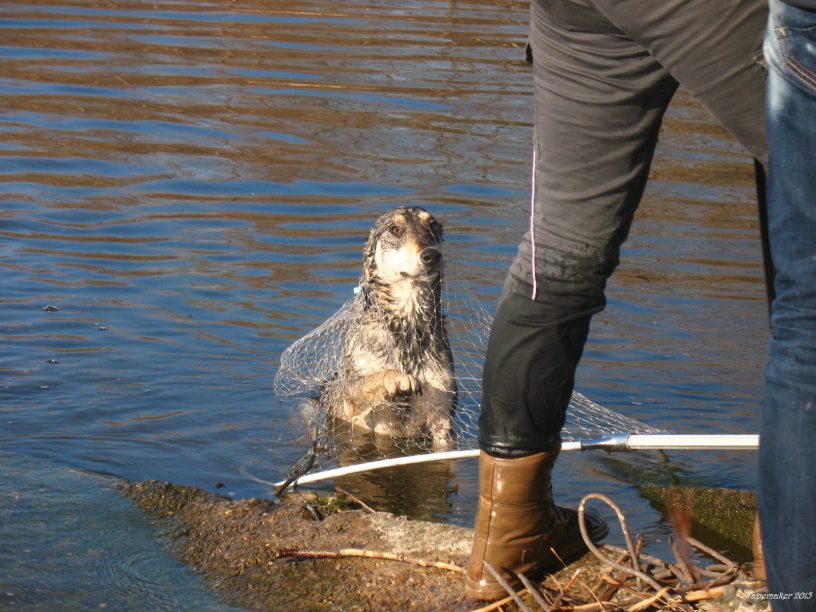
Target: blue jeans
{"type": "Point", "coordinates": [787, 457]}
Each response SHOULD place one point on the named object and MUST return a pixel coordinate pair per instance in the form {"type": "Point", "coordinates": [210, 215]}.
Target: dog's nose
{"type": "Point", "coordinates": [430, 256]}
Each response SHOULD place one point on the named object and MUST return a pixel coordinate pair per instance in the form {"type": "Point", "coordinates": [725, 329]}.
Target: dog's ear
{"type": "Point", "coordinates": [438, 231]}
{"type": "Point", "coordinates": [369, 251]}
{"type": "Point", "coordinates": [369, 264]}
{"type": "Point", "coordinates": [428, 220]}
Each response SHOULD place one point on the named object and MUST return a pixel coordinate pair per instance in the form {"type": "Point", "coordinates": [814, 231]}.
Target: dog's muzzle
{"type": "Point", "coordinates": [430, 257]}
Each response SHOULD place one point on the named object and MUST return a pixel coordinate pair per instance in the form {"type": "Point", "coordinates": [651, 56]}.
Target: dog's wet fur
{"type": "Point", "coordinates": [396, 376]}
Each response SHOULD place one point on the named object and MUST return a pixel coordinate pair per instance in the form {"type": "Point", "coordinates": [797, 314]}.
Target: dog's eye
{"type": "Point", "coordinates": [396, 230]}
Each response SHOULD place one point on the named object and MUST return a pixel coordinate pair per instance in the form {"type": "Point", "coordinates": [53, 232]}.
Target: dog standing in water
{"type": "Point", "coordinates": [396, 374]}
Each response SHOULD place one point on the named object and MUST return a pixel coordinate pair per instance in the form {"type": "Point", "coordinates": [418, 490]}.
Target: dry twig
{"type": "Point", "coordinates": [710, 552]}
{"type": "Point", "coordinates": [563, 590]}
{"type": "Point", "coordinates": [594, 549]}
{"type": "Point", "coordinates": [500, 579]}
{"type": "Point", "coordinates": [355, 499]}
{"type": "Point", "coordinates": [291, 553]}
{"type": "Point", "coordinates": [616, 581]}
{"type": "Point", "coordinates": [703, 595]}
{"type": "Point", "coordinates": [685, 567]}
{"type": "Point", "coordinates": [498, 603]}
{"type": "Point", "coordinates": [681, 583]}
{"type": "Point", "coordinates": [531, 587]}
{"type": "Point", "coordinates": [648, 602]}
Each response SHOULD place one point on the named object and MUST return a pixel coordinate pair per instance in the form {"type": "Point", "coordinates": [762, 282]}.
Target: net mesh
{"type": "Point", "coordinates": [311, 362]}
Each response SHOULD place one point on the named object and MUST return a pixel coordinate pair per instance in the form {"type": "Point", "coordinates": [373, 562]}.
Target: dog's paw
{"type": "Point", "coordinates": [396, 383]}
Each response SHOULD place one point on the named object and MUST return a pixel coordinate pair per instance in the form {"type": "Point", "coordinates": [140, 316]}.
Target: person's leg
{"type": "Point", "coordinates": [600, 94]}
{"type": "Point", "coordinates": [600, 98]}
{"type": "Point", "coordinates": [787, 483]}
{"type": "Point", "coordinates": [713, 49]}
{"type": "Point", "coordinates": [599, 103]}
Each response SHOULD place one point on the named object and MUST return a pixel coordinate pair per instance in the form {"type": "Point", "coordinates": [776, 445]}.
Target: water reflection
{"type": "Point", "coordinates": [421, 491]}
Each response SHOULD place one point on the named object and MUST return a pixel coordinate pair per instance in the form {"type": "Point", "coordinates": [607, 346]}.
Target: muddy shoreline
{"type": "Point", "coordinates": [236, 545]}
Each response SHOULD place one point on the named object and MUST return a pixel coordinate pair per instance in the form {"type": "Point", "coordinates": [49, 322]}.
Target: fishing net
{"type": "Point", "coordinates": [311, 362]}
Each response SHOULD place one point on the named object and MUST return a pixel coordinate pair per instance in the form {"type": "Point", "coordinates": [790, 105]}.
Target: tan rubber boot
{"type": "Point", "coordinates": [518, 527]}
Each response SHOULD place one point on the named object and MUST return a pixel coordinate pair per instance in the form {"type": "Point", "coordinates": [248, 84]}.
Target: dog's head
{"type": "Point", "coordinates": [403, 246]}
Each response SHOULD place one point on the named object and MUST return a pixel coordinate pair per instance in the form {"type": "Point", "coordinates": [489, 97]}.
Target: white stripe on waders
{"type": "Point", "coordinates": [532, 227]}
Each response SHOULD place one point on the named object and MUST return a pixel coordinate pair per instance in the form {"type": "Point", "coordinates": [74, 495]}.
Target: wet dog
{"type": "Point", "coordinates": [396, 374]}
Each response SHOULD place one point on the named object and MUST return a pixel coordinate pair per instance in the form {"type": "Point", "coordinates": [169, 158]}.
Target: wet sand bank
{"type": "Point", "coordinates": [237, 545]}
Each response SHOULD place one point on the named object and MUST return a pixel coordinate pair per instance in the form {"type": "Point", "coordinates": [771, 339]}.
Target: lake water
{"type": "Point", "coordinates": [185, 190]}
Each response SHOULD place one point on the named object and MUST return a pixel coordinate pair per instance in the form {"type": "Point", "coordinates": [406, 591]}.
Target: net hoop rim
{"type": "Point", "coordinates": [622, 442]}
